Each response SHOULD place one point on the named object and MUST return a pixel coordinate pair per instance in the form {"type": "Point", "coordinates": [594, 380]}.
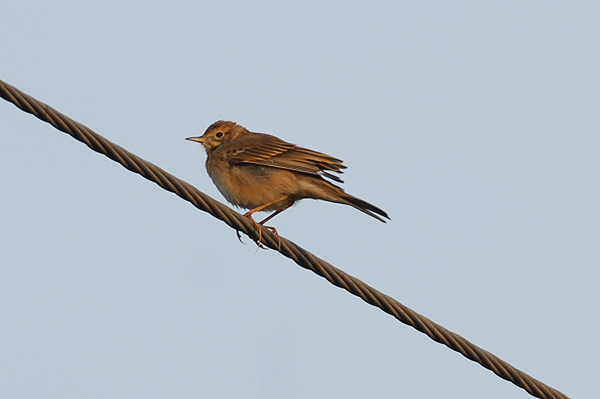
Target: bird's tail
{"type": "Point", "coordinates": [364, 206]}
{"type": "Point", "coordinates": [322, 189]}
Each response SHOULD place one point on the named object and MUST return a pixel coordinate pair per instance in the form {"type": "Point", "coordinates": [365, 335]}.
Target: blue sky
{"type": "Point", "coordinates": [474, 125]}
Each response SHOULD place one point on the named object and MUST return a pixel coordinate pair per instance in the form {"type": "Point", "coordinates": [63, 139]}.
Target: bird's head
{"type": "Point", "coordinates": [219, 133]}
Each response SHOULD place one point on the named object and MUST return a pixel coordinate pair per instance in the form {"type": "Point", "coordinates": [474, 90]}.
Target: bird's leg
{"type": "Point", "coordinates": [257, 225]}
{"type": "Point", "coordinates": [273, 229]}
{"type": "Point", "coordinates": [271, 216]}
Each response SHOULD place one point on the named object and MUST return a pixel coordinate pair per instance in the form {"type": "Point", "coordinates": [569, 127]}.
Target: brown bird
{"type": "Point", "coordinates": [261, 172]}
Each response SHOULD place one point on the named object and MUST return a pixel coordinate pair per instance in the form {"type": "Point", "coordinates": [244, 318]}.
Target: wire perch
{"type": "Point", "coordinates": [299, 255]}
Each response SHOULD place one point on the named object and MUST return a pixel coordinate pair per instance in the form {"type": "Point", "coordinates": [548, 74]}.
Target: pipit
{"type": "Point", "coordinates": [260, 172]}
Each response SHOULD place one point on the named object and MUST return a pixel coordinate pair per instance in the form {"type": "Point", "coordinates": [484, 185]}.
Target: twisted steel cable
{"type": "Point", "coordinates": [299, 255]}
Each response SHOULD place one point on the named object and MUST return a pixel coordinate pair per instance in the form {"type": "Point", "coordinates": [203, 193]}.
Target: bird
{"type": "Point", "coordinates": [261, 172]}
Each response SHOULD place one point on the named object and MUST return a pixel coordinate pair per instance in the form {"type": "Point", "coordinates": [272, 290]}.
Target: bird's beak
{"type": "Point", "coordinates": [200, 140]}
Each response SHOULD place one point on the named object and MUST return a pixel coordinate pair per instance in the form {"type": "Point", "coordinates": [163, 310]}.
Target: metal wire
{"type": "Point", "coordinates": [299, 255]}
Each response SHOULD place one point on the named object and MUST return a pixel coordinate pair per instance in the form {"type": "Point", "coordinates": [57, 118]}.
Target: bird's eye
{"type": "Point", "coordinates": [219, 134]}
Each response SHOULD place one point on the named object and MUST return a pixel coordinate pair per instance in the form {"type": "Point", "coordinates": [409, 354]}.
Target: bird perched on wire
{"type": "Point", "coordinates": [261, 172]}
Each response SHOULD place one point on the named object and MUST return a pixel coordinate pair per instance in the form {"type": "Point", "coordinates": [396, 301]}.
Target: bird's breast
{"type": "Point", "coordinates": [250, 186]}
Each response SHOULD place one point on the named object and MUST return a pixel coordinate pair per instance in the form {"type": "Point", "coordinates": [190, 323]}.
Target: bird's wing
{"type": "Point", "coordinates": [267, 150]}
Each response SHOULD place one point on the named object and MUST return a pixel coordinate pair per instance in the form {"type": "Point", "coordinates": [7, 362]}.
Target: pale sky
{"type": "Point", "coordinates": [474, 125]}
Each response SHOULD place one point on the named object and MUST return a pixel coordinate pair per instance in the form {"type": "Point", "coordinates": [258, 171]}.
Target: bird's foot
{"type": "Point", "coordinates": [258, 227]}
